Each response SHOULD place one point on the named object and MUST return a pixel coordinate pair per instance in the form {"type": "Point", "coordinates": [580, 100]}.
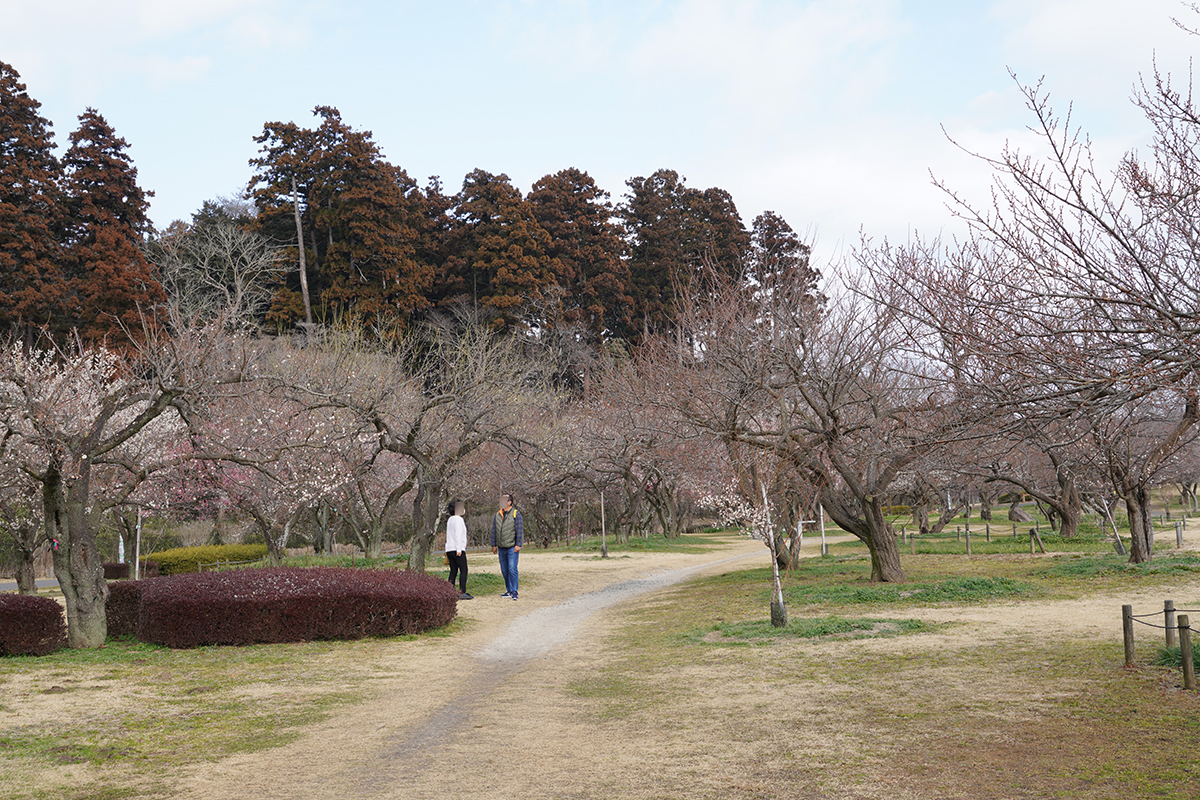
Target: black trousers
{"type": "Point", "coordinates": [458, 567]}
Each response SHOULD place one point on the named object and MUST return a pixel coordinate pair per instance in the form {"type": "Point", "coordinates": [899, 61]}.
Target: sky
{"type": "Point", "coordinates": [835, 114]}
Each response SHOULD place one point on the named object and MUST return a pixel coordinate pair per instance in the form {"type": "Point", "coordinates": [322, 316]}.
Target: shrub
{"type": "Point", "coordinates": [31, 625]}
{"type": "Point", "coordinates": [115, 571]}
{"type": "Point", "coordinates": [290, 604]}
{"type": "Point", "coordinates": [189, 559]}
{"type": "Point", "coordinates": [121, 607]}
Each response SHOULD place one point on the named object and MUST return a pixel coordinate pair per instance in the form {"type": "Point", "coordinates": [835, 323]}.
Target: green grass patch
{"type": "Point", "coordinates": [398, 561]}
{"type": "Point", "coordinates": [809, 628]}
{"type": "Point", "coordinates": [478, 583]}
{"type": "Point", "coordinates": [1114, 565]}
{"type": "Point", "coordinates": [1173, 657]}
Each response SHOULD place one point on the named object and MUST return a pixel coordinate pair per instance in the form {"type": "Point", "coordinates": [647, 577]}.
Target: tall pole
{"type": "Point", "coordinates": [603, 535]}
{"type": "Point", "coordinates": [137, 546]}
{"type": "Point", "coordinates": [821, 516]}
{"type": "Point", "coordinates": [300, 249]}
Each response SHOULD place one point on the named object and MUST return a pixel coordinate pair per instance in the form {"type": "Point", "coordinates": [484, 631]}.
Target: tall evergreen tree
{"type": "Point", "coordinates": [31, 284]}
{"type": "Point", "coordinates": [676, 234]}
{"type": "Point", "coordinates": [361, 218]}
{"type": "Point", "coordinates": [778, 263]}
{"type": "Point", "coordinates": [587, 245]}
{"type": "Point", "coordinates": [113, 288]}
{"type": "Point", "coordinates": [498, 251]}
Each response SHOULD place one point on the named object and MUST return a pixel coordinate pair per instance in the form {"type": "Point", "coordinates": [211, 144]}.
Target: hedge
{"type": "Point", "coordinates": [189, 559]}
{"type": "Point", "coordinates": [290, 604]}
{"type": "Point", "coordinates": [31, 625]}
{"type": "Point", "coordinates": [121, 607]}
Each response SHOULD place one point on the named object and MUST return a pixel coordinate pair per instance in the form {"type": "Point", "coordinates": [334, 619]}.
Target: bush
{"type": "Point", "coordinates": [189, 559]}
{"type": "Point", "coordinates": [115, 571]}
{"type": "Point", "coordinates": [290, 604]}
{"type": "Point", "coordinates": [31, 625]}
{"type": "Point", "coordinates": [121, 607]}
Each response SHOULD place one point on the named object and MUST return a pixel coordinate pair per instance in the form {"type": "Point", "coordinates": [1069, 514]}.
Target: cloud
{"type": "Point", "coordinates": [83, 46]}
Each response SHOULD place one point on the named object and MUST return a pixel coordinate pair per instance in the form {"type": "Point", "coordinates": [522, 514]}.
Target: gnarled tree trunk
{"type": "Point", "coordinates": [77, 562]}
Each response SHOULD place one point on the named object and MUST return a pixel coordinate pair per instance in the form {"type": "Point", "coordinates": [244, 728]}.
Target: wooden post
{"type": "Point", "coordinates": [1031, 550]}
{"type": "Point", "coordinates": [968, 541]}
{"type": "Point", "coordinates": [1014, 530]}
{"type": "Point", "coordinates": [1127, 628]}
{"type": "Point", "coordinates": [1185, 653]}
{"type": "Point", "coordinates": [1169, 621]}
{"type": "Point", "coordinates": [1178, 534]}
{"type": "Point", "coordinates": [1034, 534]}
{"type": "Point", "coordinates": [957, 533]}
{"type": "Point", "coordinates": [987, 530]}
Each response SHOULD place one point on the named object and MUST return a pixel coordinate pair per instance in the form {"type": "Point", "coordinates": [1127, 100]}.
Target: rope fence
{"type": "Point", "coordinates": [1177, 627]}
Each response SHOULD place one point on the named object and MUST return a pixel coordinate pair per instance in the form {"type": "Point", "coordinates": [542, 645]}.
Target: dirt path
{"type": "Point", "coordinates": [474, 715]}
{"type": "Point", "coordinates": [493, 712]}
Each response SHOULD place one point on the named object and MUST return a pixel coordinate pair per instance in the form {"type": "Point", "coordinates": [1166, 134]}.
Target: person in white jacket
{"type": "Point", "coordinates": [456, 547]}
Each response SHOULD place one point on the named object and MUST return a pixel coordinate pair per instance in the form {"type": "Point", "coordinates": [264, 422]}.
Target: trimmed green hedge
{"type": "Point", "coordinates": [188, 559]}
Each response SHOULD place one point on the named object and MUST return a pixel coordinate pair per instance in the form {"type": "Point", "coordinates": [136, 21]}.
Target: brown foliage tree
{"type": "Point", "coordinates": [114, 290]}
{"type": "Point", "coordinates": [31, 283]}
{"type": "Point", "coordinates": [362, 220]}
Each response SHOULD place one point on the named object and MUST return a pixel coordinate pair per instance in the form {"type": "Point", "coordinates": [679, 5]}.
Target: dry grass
{"type": "Point", "coordinates": [1022, 697]}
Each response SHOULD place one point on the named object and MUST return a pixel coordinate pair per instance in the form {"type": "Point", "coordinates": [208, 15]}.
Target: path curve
{"type": "Point", "coordinates": [448, 693]}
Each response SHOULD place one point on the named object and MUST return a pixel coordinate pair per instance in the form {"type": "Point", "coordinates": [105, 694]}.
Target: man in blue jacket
{"type": "Point", "coordinates": [508, 532]}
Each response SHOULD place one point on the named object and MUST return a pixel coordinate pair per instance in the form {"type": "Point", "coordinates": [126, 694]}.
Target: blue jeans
{"type": "Point", "coordinates": [508, 567]}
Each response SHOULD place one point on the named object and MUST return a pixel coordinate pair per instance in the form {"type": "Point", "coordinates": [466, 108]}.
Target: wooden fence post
{"type": "Point", "coordinates": [1127, 630]}
{"type": "Point", "coordinates": [968, 541]}
{"type": "Point", "coordinates": [1169, 621]}
{"type": "Point", "coordinates": [1185, 653]}
{"type": "Point", "coordinates": [1179, 534]}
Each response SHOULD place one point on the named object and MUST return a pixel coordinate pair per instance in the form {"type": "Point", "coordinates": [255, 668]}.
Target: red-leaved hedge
{"type": "Point", "coordinates": [121, 607]}
{"type": "Point", "coordinates": [290, 604]}
{"type": "Point", "coordinates": [31, 625]}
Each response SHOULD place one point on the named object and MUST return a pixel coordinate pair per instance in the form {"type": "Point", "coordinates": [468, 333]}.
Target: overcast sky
{"type": "Point", "coordinates": [828, 112]}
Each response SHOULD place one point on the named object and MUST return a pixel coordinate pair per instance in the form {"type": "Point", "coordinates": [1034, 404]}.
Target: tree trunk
{"type": "Point", "coordinates": [425, 520]}
{"type": "Point", "coordinates": [920, 514]}
{"type": "Point", "coordinates": [26, 576]}
{"type": "Point", "coordinates": [1137, 508]}
{"type": "Point", "coordinates": [1070, 510]}
{"type": "Point", "coordinates": [865, 519]}
{"type": "Point", "coordinates": [323, 541]}
{"type": "Point", "coordinates": [881, 542]}
{"type": "Point", "coordinates": [77, 562]}
{"type": "Point", "coordinates": [985, 505]}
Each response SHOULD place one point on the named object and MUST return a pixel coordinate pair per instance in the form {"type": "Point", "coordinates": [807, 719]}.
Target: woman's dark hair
{"type": "Point", "coordinates": [450, 507]}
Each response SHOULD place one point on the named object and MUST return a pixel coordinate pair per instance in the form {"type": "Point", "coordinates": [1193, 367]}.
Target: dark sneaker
{"type": "Point", "coordinates": [507, 594]}
{"type": "Point", "coordinates": [513, 595]}
{"type": "Point", "coordinates": [465, 596]}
